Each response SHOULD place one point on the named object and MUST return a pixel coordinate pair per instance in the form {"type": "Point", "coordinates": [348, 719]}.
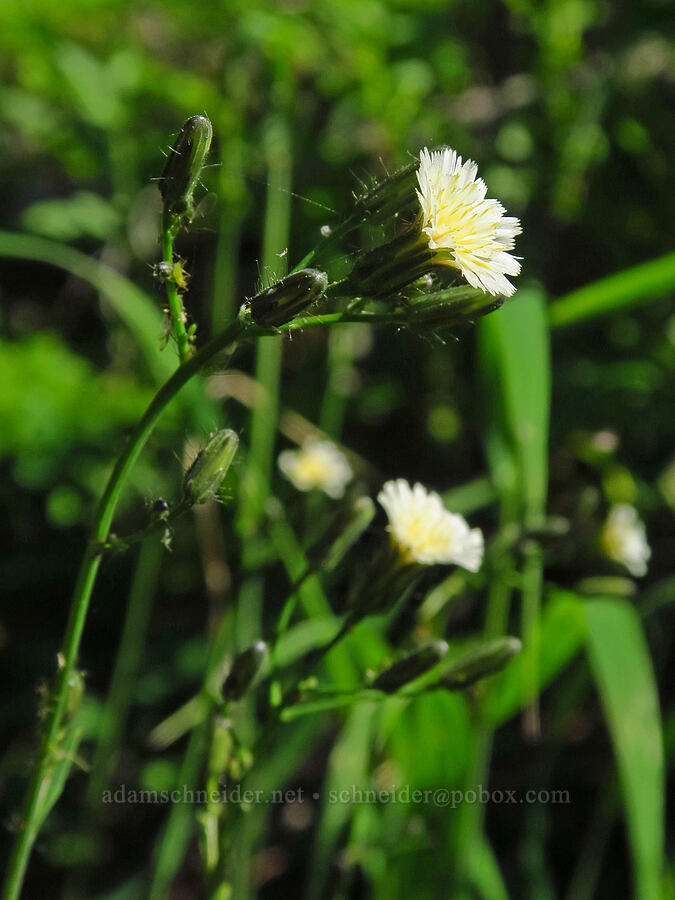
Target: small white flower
{"type": "Point", "coordinates": [457, 218]}
{"type": "Point", "coordinates": [426, 531]}
{"type": "Point", "coordinates": [624, 539]}
{"type": "Point", "coordinates": [317, 465]}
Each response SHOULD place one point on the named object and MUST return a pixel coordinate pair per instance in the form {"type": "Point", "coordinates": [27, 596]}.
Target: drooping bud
{"type": "Point", "coordinates": [183, 168]}
{"type": "Point", "coordinates": [410, 667]}
{"type": "Point", "coordinates": [206, 474]}
{"type": "Point", "coordinates": [284, 300]}
{"type": "Point", "coordinates": [243, 671]}
{"type": "Point", "coordinates": [341, 535]}
{"type": "Point", "coordinates": [484, 660]}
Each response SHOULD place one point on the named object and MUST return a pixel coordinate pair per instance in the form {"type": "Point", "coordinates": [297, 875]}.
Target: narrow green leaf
{"type": "Point", "coordinates": [138, 312]}
{"type": "Point", "coordinates": [516, 358]}
{"type": "Point", "coordinates": [558, 636]}
{"type": "Point", "coordinates": [623, 290]}
{"type": "Point", "coordinates": [484, 873]}
{"type": "Point", "coordinates": [67, 752]}
{"type": "Point", "coordinates": [621, 666]}
{"type": "Point", "coordinates": [347, 770]}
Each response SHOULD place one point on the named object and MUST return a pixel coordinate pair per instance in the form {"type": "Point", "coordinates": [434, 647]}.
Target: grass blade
{"type": "Point", "coordinates": [623, 290]}
{"type": "Point", "coordinates": [621, 666]}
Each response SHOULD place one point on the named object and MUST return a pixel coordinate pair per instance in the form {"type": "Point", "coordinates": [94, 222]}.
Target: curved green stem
{"type": "Point", "coordinates": [236, 331]}
{"type": "Point", "coordinates": [41, 779]}
{"type": "Point", "coordinates": [175, 303]}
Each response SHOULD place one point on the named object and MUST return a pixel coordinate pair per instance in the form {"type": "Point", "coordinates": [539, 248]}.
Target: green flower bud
{"type": "Point", "coordinates": [389, 197]}
{"type": "Point", "coordinates": [244, 669]}
{"type": "Point", "coordinates": [183, 168]}
{"type": "Point", "coordinates": [205, 476]}
{"type": "Point", "coordinates": [410, 667]}
{"type": "Point", "coordinates": [387, 269]}
{"type": "Point", "coordinates": [484, 660]}
{"type": "Point", "coordinates": [281, 302]}
{"type": "Point", "coordinates": [449, 308]}
{"type": "Point", "coordinates": [343, 532]}
{"type": "Point", "coordinates": [380, 584]}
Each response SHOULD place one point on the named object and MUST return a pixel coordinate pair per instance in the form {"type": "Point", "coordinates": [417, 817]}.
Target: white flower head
{"type": "Point", "coordinates": [624, 539]}
{"type": "Point", "coordinates": [317, 465]}
{"type": "Point", "coordinates": [458, 219]}
{"type": "Point", "coordinates": [426, 531]}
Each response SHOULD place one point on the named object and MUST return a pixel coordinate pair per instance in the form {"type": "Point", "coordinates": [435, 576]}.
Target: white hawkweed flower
{"type": "Point", "coordinates": [317, 465]}
{"type": "Point", "coordinates": [472, 233]}
{"type": "Point", "coordinates": [624, 539]}
{"type": "Point", "coordinates": [425, 531]}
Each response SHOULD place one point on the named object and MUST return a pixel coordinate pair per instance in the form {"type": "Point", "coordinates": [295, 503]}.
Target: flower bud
{"type": "Point", "coordinates": [388, 197]}
{"type": "Point", "coordinates": [484, 660]}
{"type": "Point", "coordinates": [380, 583]}
{"type": "Point", "coordinates": [410, 667]}
{"type": "Point", "coordinates": [341, 535]}
{"type": "Point", "coordinates": [183, 168]}
{"type": "Point", "coordinates": [244, 669]}
{"type": "Point", "coordinates": [449, 308]}
{"type": "Point", "coordinates": [281, 302]}
{"type": "Point", "coordinates": [387, 269]}
{"type": "Point", "coordinates": [206, 474]}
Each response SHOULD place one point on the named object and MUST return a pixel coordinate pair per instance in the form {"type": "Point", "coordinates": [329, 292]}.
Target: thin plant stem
{"type": "Point", "coordinates": [470, 819]}
{"type": "Point", "coordinates": [128, 659]}
{"type": "Point", "coordinates": [532, 584]}
{"type": "Point", "coordinates": [175, 303]}
{"type": "Point", "coordinates": [235, 333]}
{"type": "Point", "coordinates": [176, 835]}
{"type": "Point", "coordinates": [173, 842]}
{"type": "Point", "coordinates": [269, 351]}
{"type": "Point", "coordinates": [41, 779]}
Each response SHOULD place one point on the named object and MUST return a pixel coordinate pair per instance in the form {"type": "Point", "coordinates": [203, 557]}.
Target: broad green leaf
{"type": "Point", "coordinates": [625, 289]}
{"type": "Point", "coordinates": [621, 666]}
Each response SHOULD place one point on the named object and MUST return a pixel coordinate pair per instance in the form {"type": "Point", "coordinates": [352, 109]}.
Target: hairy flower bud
{"type": "Point", "coordinates": [387, 269]}
{"type": "Point", "coordinates": [449, 308]}
{"type": "Point", "coordinates": [484, 660]}
{"type": "Point", "coordinates": [206, 474]}
{"type": "Point", "coordinates": [183, 168]}
{"type": "Point", "coordinates": [389, 197]}
{"type": "Point", "coordinates": [410, 667]}
{"type": "Point", "coordinates": [244, 669]}
{"type": "Point", "coordinates": [281, 302]}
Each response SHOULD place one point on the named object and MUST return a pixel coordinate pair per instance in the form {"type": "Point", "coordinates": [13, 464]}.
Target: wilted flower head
{"type": "Point", "coordinates": [317, 465]}
{"type": "Point", "coordinates": [425, 531]}
{"type": "Point", "coordinates": [624, 539]}
{"type": "Point", "coordinates": [458, 219]}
